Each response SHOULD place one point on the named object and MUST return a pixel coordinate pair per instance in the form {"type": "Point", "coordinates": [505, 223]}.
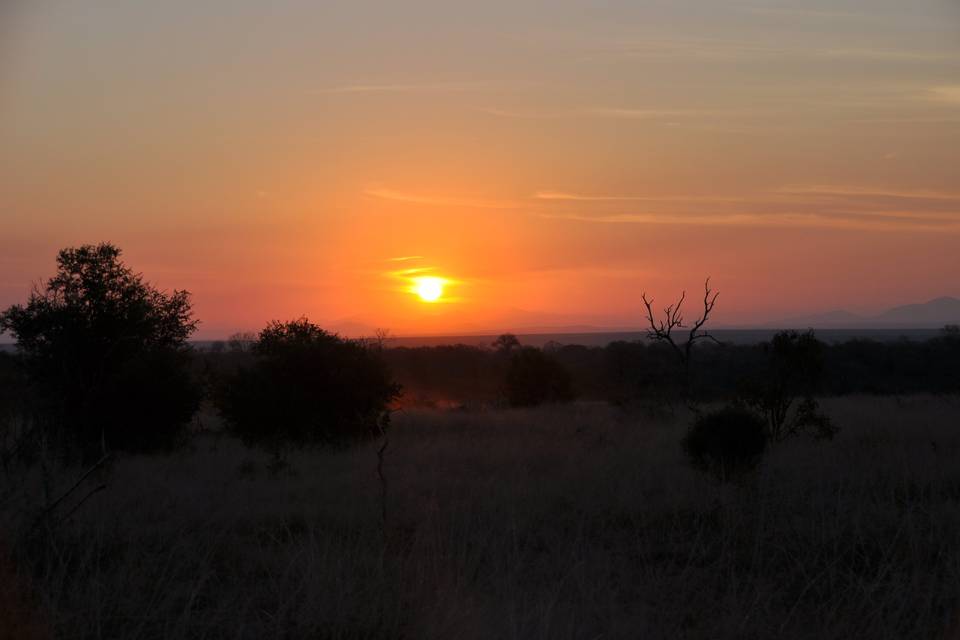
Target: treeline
{"type": "Point", "coordinates": [623, 372]}
{"type": "Point", "coordinates": [640, 373]}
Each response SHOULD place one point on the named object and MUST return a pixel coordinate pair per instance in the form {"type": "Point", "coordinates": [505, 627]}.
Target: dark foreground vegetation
{"type": "Point", "coordinates": [294, 483]}
{"type": "Point", "coordinates": [549, 523]}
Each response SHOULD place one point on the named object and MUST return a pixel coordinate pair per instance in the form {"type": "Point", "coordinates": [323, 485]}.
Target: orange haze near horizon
{"type": "Point", "coordinates": [548, 161]}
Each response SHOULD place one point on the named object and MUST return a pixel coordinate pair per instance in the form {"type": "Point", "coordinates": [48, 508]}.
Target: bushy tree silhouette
{"type": "Point", "coordinates": [783, 389]}
{"type": "Point", "coordinates": [107, 354]}
{"type": "Point", "coordinates": [534, 378]}
{"type": "Point", "coordinates": [505, 344]}
{"type": "Point", "coordinates": [306, 386]}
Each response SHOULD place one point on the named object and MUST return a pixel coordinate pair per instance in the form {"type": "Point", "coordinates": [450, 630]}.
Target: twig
{"type": "Point", "coordinates": [55, 503]}
{"type": "Point", "coordinates": [383, 479]}
{"type": "Point", "coordinates": [93, 491]}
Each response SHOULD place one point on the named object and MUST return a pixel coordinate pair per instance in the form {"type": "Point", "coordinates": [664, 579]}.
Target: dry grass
{"type": "Point", "coordinates": [573, 522]}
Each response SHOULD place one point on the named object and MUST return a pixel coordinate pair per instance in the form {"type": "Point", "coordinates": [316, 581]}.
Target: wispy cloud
{"type": "Point", "coordinates": [718, 49]}
{"type": "Point", "coordinates": [416, 87]}
{"type": "Point", "coordinates": [404, 258]}
{"type": "Point", "coordinates": [441, 201]}
{"type": "Point", "coordinates": [641, 114]}
{"type": "Point", "coordinates": [826, 206]}
{"type": "Point", "coordinates": [619, 113]}
{"type": "Point", "coordinates": [854, 191]}
{"type": "Point", "coordinates": [781, 220]}
{"type": "Point", "coordinates": [949, 93]}
{"type": "Point", "coordinates": [794, 12]}
{"type": "Point", "coordinates": [578, 197]}
{"type": "Point", "coordinates": [538, 114]}
{"type": "Point", "coordinates": [900, 55]}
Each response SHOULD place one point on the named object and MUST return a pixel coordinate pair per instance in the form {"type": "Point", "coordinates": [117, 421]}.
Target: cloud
{"type": "Point", "coordinates": [529, 113]}
{"type": "Point", "coordinates": [404, 258]}
{"type": "Point", "coordinates": [641, 114]}
{"type": "Point", "coordinates": [729, 49]}
{"type": "Point", "coordinates": [440, 201]}
{"type": "Point", "coordinates": [804, 13]}
{"type": "Point", "coordinates": [857, 207]}
{"type": "Point", "coordinates": [853, 191]}
{"type": "Point", "coordinates": [900, 55]}
{"type": "Point", "coordinates": [404, 88]}
{"type": "Point", "coordinates": [577, 197]}
{"type": "Point", "coordinates": [781, 220]}
{"type": "Point", "coordinates": [619, 113]}
{"type": "Point", "coordinates": [826, 206]}
{"type": "Point", "coordinates": [949, 93]}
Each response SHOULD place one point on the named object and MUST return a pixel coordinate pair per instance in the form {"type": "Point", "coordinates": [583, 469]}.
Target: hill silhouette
{"type": "Point", "coordinates": [925, 315]}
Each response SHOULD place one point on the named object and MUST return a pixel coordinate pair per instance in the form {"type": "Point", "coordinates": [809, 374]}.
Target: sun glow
{"type": "Point", "coordinates": [430, 289]}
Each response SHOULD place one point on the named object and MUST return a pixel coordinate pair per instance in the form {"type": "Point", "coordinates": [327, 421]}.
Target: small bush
{"type": "Point", "coordinates": [726, 443]}
{"type": "Point", "coordinates": [535, 378]}
{"type": "Point", "coordinates": [306, 386]}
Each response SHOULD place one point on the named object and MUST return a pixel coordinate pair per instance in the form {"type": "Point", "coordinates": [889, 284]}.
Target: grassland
{"type": "Point", "coordinates": [554, 523]}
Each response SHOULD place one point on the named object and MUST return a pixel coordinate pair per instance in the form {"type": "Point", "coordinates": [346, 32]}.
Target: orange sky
{"type": "Point", "coordinates": [552, 159]}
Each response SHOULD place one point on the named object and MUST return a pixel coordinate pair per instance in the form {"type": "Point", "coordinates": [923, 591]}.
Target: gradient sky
{"type": "Point", "coordinates": [552, 159]}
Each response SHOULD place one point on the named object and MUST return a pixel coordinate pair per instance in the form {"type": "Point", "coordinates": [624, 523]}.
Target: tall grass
{"type": "Point", "coordinates": [554, 523]}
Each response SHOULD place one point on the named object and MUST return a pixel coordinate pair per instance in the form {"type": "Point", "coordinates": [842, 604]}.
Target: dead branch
{"type": "Point", "coordinates": [97, 489]}
{"type": "Point", "coordinates": [662, 330]}
{"type": "Point", "coordinates": [380, 475]}
{"type": "Point", "coordinates": [49, 510]}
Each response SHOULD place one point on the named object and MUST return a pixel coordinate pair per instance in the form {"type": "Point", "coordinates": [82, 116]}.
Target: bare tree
{"type": "Point", "coordinates": [663, 330]}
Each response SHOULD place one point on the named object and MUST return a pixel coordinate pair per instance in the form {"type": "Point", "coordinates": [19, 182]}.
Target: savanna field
{"type": "Point", "coordinates": [480, 320]}
{"type": "Point", "coordinates": [575, 521]}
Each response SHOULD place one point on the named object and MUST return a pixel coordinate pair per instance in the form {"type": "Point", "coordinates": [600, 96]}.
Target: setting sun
{"type": "Point", "coordinates": [429, 289]}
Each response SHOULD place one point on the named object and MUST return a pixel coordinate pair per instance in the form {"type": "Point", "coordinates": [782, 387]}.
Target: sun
{"type": "Point", "coordinates": [430, 289]}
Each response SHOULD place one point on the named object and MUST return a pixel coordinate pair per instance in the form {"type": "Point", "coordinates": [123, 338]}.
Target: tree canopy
{"type": "Point", "coordinates": [107, 351]}
{"type": "Point", "coordinates": [307, 386]}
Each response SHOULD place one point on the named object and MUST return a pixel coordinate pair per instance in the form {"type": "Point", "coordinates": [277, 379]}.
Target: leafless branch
{"type": "Point", "coordinates": [49, 510]}
{"type": "Point", "coordinates": [709, 300]}
{"type": "Point", "coordinates": [662, 329]}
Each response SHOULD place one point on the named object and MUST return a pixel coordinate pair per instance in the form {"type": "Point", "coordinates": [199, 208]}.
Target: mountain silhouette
{"type": "Point", "coordinates": [932, 314]}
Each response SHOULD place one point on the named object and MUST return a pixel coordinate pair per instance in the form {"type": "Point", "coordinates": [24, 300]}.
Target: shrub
{"type": "Point", "coordinates": [106, 354]}
{"type": "Point", "coordinates": [727, 442]}
{"type": "Point", "coordinates": [534, 378]}
{"type": "Point", "coordinates": [306, 386]}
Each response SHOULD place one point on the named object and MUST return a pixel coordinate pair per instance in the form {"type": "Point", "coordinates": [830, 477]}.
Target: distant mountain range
{"type": "Point", "coordinates": [925, 315]}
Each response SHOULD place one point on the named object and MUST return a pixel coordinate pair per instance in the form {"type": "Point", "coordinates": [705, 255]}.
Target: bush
{"type": "Point", "coordinates": [727, 442]}
{"type": "Point", "coordinates": [106, 354]}
{"type": "Point", "coordinates": [534, 378]}
{"type": "Point", "coordinates": [306, 386]}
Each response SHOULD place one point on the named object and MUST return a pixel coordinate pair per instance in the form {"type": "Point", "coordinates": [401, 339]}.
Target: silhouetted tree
{"type": "Point", "coordinates": [505, 344]}
{"type": "Point", "coordinates": [783, 390]}
{"type": "Point", "coordinates": [241, 341]}
{"type": "Point", "coordinates": [307, 386]}
{"type": "Point", "coordinates": [534, 378]}
{"type": "Point", "coordinates": [107, 353]}
{"type": "Point", "coordinates": [662, 330]}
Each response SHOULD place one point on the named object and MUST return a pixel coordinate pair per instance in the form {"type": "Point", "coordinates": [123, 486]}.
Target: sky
{"type": "Point", "coordinates": [548, 160]}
